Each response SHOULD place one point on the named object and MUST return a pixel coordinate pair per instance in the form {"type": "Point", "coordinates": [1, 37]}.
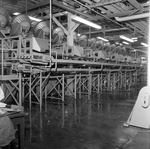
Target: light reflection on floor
{"type": "Point", "coordinates": [86, 124]}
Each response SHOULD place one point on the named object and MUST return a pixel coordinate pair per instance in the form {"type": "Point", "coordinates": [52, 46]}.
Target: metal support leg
{"type": "Point", "coordinates": [20, 89]}
{"type": "Point", "coordinates": [45, 98]}
{"type": "Point", "coordinates": [63, 94]}
{"type": "Point", "coordinates": [90, 85]}
{"type": "Point", "coordinates": [75, 94]}
{"type": "Point", "coordinates": [30, 88]}
{"type": "Point", "coordinates": [40, 91]}
{"type": "Point", "coordinates": [80, 86]}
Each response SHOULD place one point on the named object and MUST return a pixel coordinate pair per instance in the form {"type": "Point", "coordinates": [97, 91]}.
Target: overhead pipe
{"type": "Point", "coordinates": [133, 17]}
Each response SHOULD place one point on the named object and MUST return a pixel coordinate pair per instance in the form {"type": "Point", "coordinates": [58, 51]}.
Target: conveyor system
{"type": "Point", "coordinates": [87, 59]}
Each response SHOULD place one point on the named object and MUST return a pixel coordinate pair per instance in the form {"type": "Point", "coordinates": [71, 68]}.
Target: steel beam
{"type": "Point", "coordinates": [105, 2]}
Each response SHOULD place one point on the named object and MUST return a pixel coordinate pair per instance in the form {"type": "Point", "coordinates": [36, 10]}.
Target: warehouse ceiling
{"type": "Point", "coordinates": [117, 17]}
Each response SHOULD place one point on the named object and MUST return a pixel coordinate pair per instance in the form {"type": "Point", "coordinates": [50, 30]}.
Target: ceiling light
{"type": "Point", "coordinates": [35, 19]}
{"type": "Point", "coordinates": [125, 42]}
{"type": "Point", "coordinates": [134, 38]}
{"type": "Point", "coordinates": [79, 34]}
{"type": "Point", "coordinates": [32, 18]}
{"type": "Point", "coordinates": [126, 38]}
{"type": "Point", "coordinates": [86, 22]}
{"type": "Point", "coordinates": [103, 39]}
{"type": "Point", "coordinates": [16, 13]}
{"type": "Point", "coordinates": [144, 44]}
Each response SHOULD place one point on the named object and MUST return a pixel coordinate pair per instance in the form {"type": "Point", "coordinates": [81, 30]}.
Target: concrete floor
{"type": "Point", "coordinates": [94, 124]}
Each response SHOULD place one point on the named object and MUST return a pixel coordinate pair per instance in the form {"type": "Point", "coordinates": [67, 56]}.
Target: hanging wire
{"type": "Point", "coordinates": [1, 3]}
{"type": "Point", "coordinates": [50, 25]}
{"type": "Point", "coordinates": [26, 6]}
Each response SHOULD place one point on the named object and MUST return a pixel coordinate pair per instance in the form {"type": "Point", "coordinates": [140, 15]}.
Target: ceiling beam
{"type": "Point", "coordinates": [105, 2]}
{"type": "Point", "coordinates": [121, 14]}
{"type": "Point", "coordinates": [60, 5]}
{"type": "Point", "coordinates": [136, 5]}
{"type": "Point", "coordinates": [35, 6]}
{"type": "Point", "coordinates": [107, 30]}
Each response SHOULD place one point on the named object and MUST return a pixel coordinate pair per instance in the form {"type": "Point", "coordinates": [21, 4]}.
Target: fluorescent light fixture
{"type": "Point", "coordinates": [126, 38]}
{"type": "Point", "coordinates": [103, 39]}
{"type": "Point", "coordinates": [79, 34]}
{"type": "Point", "coordinates": [35, 19]}
{"type": "Point", "coordinates": [134, 38]}
{"type": "Point", "coordinates": [16, 13]}
{"type": "Point", "coordinates": [144, 44]}
{"type": "Point", "coordinates": [32, 18]}
{"type": "Point", "coordinates": [86, 22]}
{"type": "Point", "coordinates": [125, 42]}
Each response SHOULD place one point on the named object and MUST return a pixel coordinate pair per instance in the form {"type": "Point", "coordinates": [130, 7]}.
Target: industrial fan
{"type": "Point", "coordinates": [42, 30]}
{"type": "Point", "coordinates": [92, 43]}
{"type": "Point", "coordinates": [83, 41]}
{"type": "Point", "coordinates": [4, 17]}
{"type": "Point", "coordinates": [58, 35]}
{"type": "Point", "coordinates": [98, 52]}
{"type": "Point", "coordinates": [20, 25]}
{"type": "Point", "coordinates": [88, 51]}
